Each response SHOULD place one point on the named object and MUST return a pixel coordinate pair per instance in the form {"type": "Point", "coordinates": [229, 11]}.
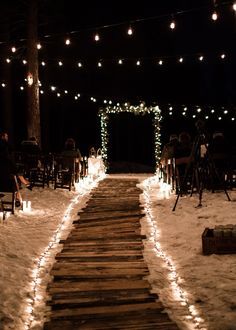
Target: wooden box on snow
{"type": "Point", "coordinates": [221, 240]}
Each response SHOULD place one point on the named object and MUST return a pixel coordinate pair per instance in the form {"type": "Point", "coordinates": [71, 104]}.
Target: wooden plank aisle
{"type": "Point", "coordinates": [99, 276]}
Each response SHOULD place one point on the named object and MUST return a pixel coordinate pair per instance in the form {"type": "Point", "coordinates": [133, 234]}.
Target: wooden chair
{"type": "Point", "coordinates": [64, 172]}
{"type": "Point", "coordinates": [8, 193]}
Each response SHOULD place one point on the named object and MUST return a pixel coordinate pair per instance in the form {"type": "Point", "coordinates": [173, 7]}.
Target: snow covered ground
{"type": "Point", "coordinates": [199, 291]}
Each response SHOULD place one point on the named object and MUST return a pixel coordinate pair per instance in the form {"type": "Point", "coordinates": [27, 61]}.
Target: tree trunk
{"type": "Point", "coordinates": [33, 110]}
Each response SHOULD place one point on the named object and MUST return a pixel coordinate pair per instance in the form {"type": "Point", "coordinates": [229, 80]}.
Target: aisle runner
{"type": "Point", "coordinates": [99, 276]}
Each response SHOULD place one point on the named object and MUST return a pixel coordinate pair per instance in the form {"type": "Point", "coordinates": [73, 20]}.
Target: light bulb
{"type": "Point", "coordinates": [130, 31]}
{"type": "Point", "coordinates": [96, 37]}
{"type": "Point", "coordinates": [214, 16]}
{"type": "Point", "coordinates": [172, 25]}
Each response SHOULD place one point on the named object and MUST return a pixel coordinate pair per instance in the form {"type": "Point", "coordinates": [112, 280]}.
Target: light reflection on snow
{"type": "Point", "coordinates": [178, 294]}
{"type": "Point", "coordinates": [37, 272]}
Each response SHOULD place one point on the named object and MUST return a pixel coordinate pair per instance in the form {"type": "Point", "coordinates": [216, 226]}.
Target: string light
{"type": "Point", "coordinates": [130, 31]}
{"type": "Point", "coordinates": [39, 46]}
{"type": "Point", "coordinates": [96, 37]}
{"type": "Point", "coordinates": [141, 109]}
{"type": "Point", "coordinates": [120, 61]}
{"type": "Point", "coordinates": [214, 16]}
{"type": "Point", "coordinates": [39, 272]}
{"type": "Point", "coordinates": [160, 62]}
{"type": "Point", "coordinates": [60, 63]}
{"type": "Point", "coordinates": [67, 42]}
{"type": "Point", "coordinates": [13, 49]}
{"type": "Point", "coordinates": [138, 63]}
{"type": "Point", "coordinates": [172, 25]}
{"type": "Point", "coordinates": [181, 59]}
{"type": "Point", "coordinates": [80, 65]}
{"type": "Point", "coordinates": [179, 295]}
{"type": "Point", "coordinates": [201, 58]}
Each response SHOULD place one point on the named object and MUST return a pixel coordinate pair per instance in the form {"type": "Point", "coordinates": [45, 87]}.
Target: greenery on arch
{"type": "Point", "coordinates": [140, 109]}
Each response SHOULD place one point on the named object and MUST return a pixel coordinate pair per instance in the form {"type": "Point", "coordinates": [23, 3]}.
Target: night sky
{"type": "Point", "coordinates": [207, 84]}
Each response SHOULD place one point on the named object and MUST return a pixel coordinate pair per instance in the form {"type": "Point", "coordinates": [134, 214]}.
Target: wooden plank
{"type": "Point", "coordinates": [122, 284]}
{"type": "Point", "coordinates": [63, 313]}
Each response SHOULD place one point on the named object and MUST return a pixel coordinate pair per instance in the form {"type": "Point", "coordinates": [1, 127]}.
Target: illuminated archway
{"type": "Point", "coordinates": [140, 109]}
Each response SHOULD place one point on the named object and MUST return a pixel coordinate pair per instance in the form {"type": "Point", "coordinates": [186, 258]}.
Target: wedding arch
{"type": "Point", "coordinates": [137, 110]}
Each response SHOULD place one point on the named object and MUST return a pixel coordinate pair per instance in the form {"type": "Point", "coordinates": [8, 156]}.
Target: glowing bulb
{"type": "Point", "coordinates": [58, 94]}
{"type": "Point", "coordinates": [60, 63]}
{"type": "Point", "coordinates": [199, 110]}
{"type": "Point", "coordinates": [206, 117]}
{"type": "Point", "coordinates": [24, 62]}
{"type": "Point", "coordinates": [65, 91]}
{"type": "Point", "coordinates": [219, 118]}
{"type": "Point", "coordinates": [3, 85]}
{"type": "Point", "coordinates": [172, 25]}
{"type": "Point", "coordinates": [13, 49]}
{"type": "Point", "coordinates": [181, 59]}
{"type": "Point", "coordinates": [120, 62]}
{"type": "Point", "coordinates": [96, 37]}
{"type": "Point", "coordinates": [214, 16]}
{"type": "Point", "coordinates": [39, 46]}
{"type": "Point", "coordinates": [160, 62]}
{"type": "Point", "coordinates": [130, 31]}
{"type": "Point", "coordinates": [80, 65]}
{"type": "Point", "coordinates": [67, 41]}
{"type": "Point", "coordinates": [99, 64]}
{"type": "Point", "coordinates": [234, 6]}
{"type": "Point", "coordinates": [41, 91]}
{"type": "Point", "coordinates": [201, 58]}
{"type": "Point", "coordinates": [138, 63]}
{"type": "Point", "coordinates": [30, 79]}
{"type": "Point", "coordinates": [105, 101]}
{"type": "Point", "coordinates": [43, 63]}
{"type": "Point", "coordinates": [22, 88]}
{"type": "Point", "coordinates": [225, 112]}
{"type": "Point", "coordinates": [8, 60]}
{"type": "Point", "coordinates": [53, 88]}
{"type": "Point", "coordinates": [222, 56]}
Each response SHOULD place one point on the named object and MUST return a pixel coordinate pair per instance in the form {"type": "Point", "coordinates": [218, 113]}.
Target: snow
{"type": "Point", "coordinates": [198, 291]}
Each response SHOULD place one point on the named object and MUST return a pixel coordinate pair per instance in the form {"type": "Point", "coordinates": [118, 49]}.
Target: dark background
{"type": "Point", "coordinates": [208, 84]}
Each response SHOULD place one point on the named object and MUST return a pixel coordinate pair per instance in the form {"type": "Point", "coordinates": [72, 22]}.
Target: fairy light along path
{"type": "Point", "coordinates": [99, 277]}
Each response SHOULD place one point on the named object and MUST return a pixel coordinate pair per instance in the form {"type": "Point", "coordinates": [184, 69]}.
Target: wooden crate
{"type": "Point", "coordinates": [211, 243]}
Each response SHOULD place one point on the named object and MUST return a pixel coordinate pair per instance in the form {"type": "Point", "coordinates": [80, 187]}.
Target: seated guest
{"type": "Point", "coordinates": [167, 155]}
{"type": "Point", "coordinates": [220, 152]}
{"type": "Point", "coordinates": [183, 155]}
{"type": "Point", "coordinates": [70, 151]}
{"type": "Point", "coordinates": [8, 171]}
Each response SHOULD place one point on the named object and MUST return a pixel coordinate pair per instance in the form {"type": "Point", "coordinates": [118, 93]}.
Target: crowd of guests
{"type": "Point", "coordinates": [182, 153]}
{"type": "Point", "coordinates": [14, 174]}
